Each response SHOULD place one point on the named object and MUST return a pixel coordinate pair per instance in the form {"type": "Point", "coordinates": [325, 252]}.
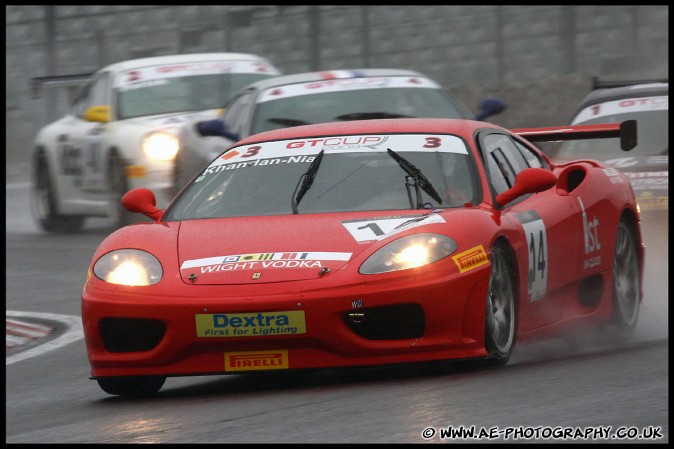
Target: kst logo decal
{"type": "Point", "coordinates": [591, 238]}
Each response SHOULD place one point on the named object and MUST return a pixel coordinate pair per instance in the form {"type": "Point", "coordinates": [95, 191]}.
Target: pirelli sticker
{"type": "Point", "coordinates": [256, 360]}
{"type": "Point", "coordinates": [471, 258]}
{"type": "Point", "coordinates": [258, 324]}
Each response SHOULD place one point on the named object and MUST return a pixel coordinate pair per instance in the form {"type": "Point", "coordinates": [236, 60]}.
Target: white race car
{"type": "Point", "coordinates": [120, 133]}
{"type": "Point", "coordinates": [318, 97]}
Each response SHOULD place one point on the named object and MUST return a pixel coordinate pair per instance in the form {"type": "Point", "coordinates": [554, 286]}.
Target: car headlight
{"type": "Point", "coordinates": [409, 252]}
{"type": "Point", "coordinates": [129, 267]}
{"type": "Point", "coordinates": [161, 146]}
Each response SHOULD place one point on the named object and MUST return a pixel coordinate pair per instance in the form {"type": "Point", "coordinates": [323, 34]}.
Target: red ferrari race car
{"type": "Point", "coordinates": [365, 243]}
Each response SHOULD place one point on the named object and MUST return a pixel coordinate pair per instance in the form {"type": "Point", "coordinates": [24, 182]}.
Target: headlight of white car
{"type": "Point", "coordinates": [409, 252]}
{"type": "Point", "coordinates": [129, 267]}
{"type": "Point", "coordinates": [161, 146]}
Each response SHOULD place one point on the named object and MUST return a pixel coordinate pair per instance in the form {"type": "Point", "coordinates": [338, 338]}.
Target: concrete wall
{"type": "Point", "coordinates": [539, 59]}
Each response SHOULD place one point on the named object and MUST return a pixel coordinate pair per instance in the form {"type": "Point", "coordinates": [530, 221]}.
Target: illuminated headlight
{"type": "Point", "coordinates": [161, 146]}
{"type": "Point", "coordinates": [409, 252]}
{"type": "Point", "coordinates": [128, 267]}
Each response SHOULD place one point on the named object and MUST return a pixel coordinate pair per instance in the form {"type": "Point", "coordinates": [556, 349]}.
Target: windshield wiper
{"type": "Point", "coordinates": [415, 179]}
{"type": "Point", "coordinates": [369, 116]}
{"type": "Point", "coordinates": [289, 122]}
{"type": "Point", "coordinates": [305, 181]}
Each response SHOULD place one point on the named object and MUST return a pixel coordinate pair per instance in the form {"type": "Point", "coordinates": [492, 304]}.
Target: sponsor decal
{"type": "Point", "coordinates": [624, 106]}
{"type": "Point", "coordinates": [258, 324]}
{"type": "Point", "coordinates": [614, 175]}
{"type": "Point", "coordinates": [305, 150]}
{"type": "Point", "coordinates": [369, 229]}
{"type": "Point", "coordinates": [471, 258]}
{"type": "Point", "coordinates": [537, 243]}
{"type": "Point", "coordinates": [136, 171]}
{"type": "Point", "coordinates": [590, 238]}
{"type": "Point", "coordinates": [256, 360]}
{"type": "Point", "coordinates": [341, 83]}
{"type": "Point", "coordinates": [264, 260]}
{"type": "Point", "coordinates": [151, 76]}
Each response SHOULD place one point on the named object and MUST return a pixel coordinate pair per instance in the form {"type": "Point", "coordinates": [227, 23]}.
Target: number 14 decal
{"type": "Point", "coordinates": [537, 242]}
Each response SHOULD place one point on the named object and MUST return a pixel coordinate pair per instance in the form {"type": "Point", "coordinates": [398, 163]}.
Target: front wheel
{"type": "Point", "coordinates": [43, 203]}
{"type": "Point", "coordinates": [626, 280]}
{"type": "Point", "coordinates": [138, 386]}
{"type": "Point", "coordinates": [500, 313]}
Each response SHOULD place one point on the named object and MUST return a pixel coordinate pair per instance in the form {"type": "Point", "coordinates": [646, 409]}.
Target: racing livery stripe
{"type": "Point", "coordinates": [624, 106]}
{"type": "Point", "coordinates": [290, 255]}
{"type": "Point", "coordinates": [143, 75]}
{"type": "Point", "coordinates": [350, 83]}
{"type": "Point", "coordinates": [290, 151]}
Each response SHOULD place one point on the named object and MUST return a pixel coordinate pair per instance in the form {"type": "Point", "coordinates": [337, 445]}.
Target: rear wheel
{"type": "Point", "coordinates": [43, 203]}
{"type": "Point", "coordinates": [626, 280]}
{"type": "Point", "coordinates": [500, 313]}
{"type": "Point", "coordinates": [138, 386]}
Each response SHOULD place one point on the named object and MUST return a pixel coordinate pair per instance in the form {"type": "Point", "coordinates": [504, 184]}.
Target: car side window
{"type": "Point", "coordinates": [532, 158]}
{"type": "Point", "coordinates": [503, 160]}
{"type": "Point", "coordinates": [94, 94]}
{"type": "Point", "coordinates": [236, 113]}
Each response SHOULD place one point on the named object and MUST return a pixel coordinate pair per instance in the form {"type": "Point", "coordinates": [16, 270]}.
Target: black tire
{"type": "Point", "coordinates": [626, 280]}
{"type": "Point", "coordinates": [43, 203]}
{"type": "Point", "coordinates": [500, 313]}
{"type": "Point", "coordinates": [117, 186]}
{"type": "Point", "coordinates": [138, 386]}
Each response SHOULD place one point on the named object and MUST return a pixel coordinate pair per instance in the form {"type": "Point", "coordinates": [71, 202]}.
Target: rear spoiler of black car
{"type": "Point", "coordinates": [626, 131]}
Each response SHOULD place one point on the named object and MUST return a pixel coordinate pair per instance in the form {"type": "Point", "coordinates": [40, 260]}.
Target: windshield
{"type": "Point", "coordinates": [355, 173]}
{"type": "Point", "coordinates": [178, 88]}
{"type": "Point", "coordinates": [373, 98]}
{"type": "Point", "coordinates": [652, 138]}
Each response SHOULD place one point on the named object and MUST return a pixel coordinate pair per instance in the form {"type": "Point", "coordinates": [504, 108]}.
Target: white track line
{"type": "Point", "coordinates": [73, 333]}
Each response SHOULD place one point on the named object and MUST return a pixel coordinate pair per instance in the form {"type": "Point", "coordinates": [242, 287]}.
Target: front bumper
{"type": "Point", "coordinates": [218, 330]}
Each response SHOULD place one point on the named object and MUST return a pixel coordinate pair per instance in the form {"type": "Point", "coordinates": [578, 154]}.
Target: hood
{"type": "Point", "coordinates": [649, 177]}
{"type": "Point", "coordinates": [172, 120]}
{"type": "Point", "coordinates": [254, 250]}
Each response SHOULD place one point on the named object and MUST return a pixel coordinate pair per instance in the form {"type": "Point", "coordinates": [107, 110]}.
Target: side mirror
{"type": "Point", "coordinates": [98, 114]}
{"type": "Point", "coordinates": [143, 201]}
{"type": "Point", "coordinates": [489, 107]}
{"type": "Point", "coordinates": [529, 180]}
{"type": "Point", "coordinates": [215, 128]}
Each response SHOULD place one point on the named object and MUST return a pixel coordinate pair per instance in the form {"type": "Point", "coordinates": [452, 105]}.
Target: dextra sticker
{"type": "Point", "coordinates": [263, 260]}
{"type": "Point", "coordinates": [369, 229]}
{"type": "Point", "coordinates": [537, 242]}
{"type": "Point", "coordinates": [250, 324]}
{"type": "Point", "coordinates": [344, 84]}
{"type": "Point", "coordinates": [472, 258]}
{"type": "Point", "coordinates": [256, 360]}
{"type": "Point", "coordinates": [624, 106]}
{"type": "Point", "coordinates": [291, 151]}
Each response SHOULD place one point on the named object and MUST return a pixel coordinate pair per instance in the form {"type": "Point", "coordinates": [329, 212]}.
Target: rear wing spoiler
{"type": "Point", "coordinates": [38, 84]}
{"type": "Point", "coordinates": [626, 131]}
{"type": "Point", "coordinates": [603, 84]}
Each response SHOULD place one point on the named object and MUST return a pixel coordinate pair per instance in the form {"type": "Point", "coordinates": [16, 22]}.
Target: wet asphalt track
{"type": "Point", "coordinates": [594, 392]}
